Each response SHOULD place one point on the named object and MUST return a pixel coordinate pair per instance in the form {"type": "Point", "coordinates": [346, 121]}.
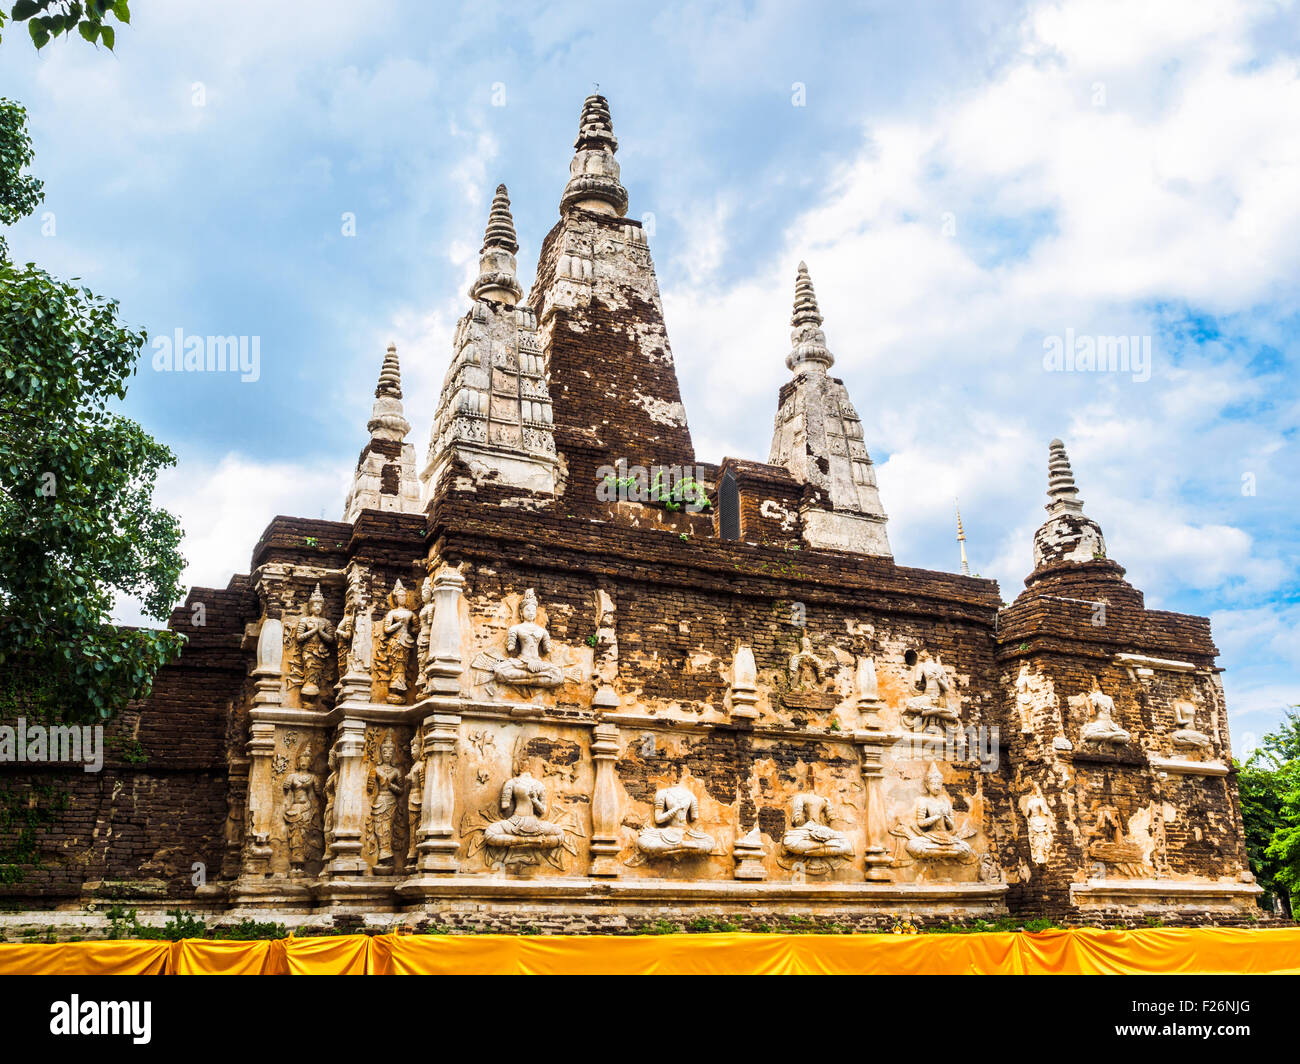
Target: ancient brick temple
{"type": "Point", "coordinates": [559, 667]}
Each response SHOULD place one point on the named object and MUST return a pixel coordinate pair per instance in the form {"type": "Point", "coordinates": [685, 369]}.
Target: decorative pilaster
{"type": "Point", "coordinates": [744, 684]}
{"type": "Point", "coordinates": [257, 838]}
{"type": "Point", "coordinates": [604, 803]}
{"type": "Point", "coordinates": [349, 800]}
{"type": "Point", "coordinates": [876, 816]}
{"type": "Point", "coordinates": [438, 844]}
{"type": "Point", "coordinates": [443, 671]}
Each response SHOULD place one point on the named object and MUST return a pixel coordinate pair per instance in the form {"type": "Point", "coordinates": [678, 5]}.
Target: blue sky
{"type": "Point", "coordinates": [965, 180]}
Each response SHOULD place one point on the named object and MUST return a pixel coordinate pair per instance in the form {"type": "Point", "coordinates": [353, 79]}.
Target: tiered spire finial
{"type": "Point", "coordinates": [386, 418]}
{"type": "Point", "coordinates": [961, 541]}
{"type": "Point", "coordinates": [809, 349]}
{"type": "Point", "coordinates": [1061, 489]}
{"type": "Point", "coordinates": [1068, 535]}
{"type": "Point", "coordinates": [501, 225]}
{"type": "Point", "coordinates": [594, 173]}
{"type": "Point", "coordinates": [496, 263]}
{"type": "Point", "coordinates": [390, 375]}
{"type": "Point", "coordinates": [805, 300]}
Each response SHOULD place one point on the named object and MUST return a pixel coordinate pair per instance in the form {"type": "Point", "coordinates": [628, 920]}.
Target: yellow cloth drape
{"type": "Point", "coordinates": [1084, 951]}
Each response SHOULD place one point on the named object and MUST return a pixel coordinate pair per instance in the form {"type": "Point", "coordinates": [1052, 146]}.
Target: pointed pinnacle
{"type": "Point", "coordinates": [596, 126]}
{"type": "Point", "coordinates": [1061, 489]}
{"type": "Point", "coordinates": [500, 231]}
{"type": "Point", "coordinates": [805, 300]}
{"type": "Point", "coordinates": [390, 375]}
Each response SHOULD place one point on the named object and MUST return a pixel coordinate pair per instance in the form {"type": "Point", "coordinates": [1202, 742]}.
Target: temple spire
{"type": "Point", "coordinates": [961, 541]}
{"type": "Point", "coordinates": [496, 264]}
{"type": "Point", "coordinates": [818, 437]}
{"type": "Point", "coordinates": [385, 475]}
{"type": "Point", "coordinates": [594, 173]}
{"type": "Point", "coordinates": [1068, 535]}
{"type": "Point", "coordinates": [809, 351]}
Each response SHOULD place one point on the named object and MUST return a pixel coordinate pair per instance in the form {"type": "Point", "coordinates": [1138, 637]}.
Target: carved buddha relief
{"type": "Point", "coordinates": [933, 833]}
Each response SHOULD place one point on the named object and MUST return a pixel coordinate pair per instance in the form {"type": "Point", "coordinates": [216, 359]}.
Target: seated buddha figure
{"type": "Point", "coordinates": [1186, 734]}
{"type": "Point", "coordinates": [1102, 728]}
{"type": "Point", "coordinates": [934, 834]}
{"type": "Point", "coordinates": [931, 710]}
{"type": "Point", "coordinates": [810, 833]}
{"type": "Point", "coordinates": [523, 800]}
{"type": "Point", "coordinates": [528, 643]}
{"type": "Point", "coordinates": [676, 808]}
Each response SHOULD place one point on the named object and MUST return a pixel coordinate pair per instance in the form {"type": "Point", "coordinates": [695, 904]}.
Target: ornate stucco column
{"type": "Point", "coordinates": [443, 670]}
{"type": "Point", "coordinates": [438, 843]}
{"type": "Point", "coordinates": [267, 695]}
{"type": "Point", "coordinates": [349, 800]}
{"type": "Point", "coordinates": [604, 803]}
{"type": "Point", "coordinates": [876, 818]}
{"type": "Point", "coordinates": [257, 837]}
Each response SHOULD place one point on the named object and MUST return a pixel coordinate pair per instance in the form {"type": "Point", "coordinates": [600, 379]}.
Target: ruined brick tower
{"type": "Point", "coordinates": [565, 665]}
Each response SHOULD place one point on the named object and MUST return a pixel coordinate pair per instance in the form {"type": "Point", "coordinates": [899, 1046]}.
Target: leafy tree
{"type": "Point", "coordinates": [1269, 784]}
{"type": "Point", "coordinates": [77, 524]}
{"type": "Point", "coordinates": [47, 19]}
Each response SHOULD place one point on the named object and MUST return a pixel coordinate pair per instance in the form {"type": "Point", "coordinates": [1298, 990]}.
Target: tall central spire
{"type": "Point", "coordinates": [594, 174]}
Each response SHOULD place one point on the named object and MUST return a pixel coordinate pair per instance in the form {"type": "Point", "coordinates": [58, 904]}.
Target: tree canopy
{"type": "Point", "coordinates": [77, 522]}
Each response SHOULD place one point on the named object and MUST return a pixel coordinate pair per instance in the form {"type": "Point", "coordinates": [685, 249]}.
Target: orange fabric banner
{"type": "Point", "coordinates": [1085, 951]}
{"type": "Point", "coordinates": [87, 958]}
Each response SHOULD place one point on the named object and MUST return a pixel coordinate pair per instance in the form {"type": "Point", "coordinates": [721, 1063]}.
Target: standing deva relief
{"type": "Point", "coordinates": [384, 787]}
{"type": "Point", "coordinates": [301, 792]}
{"type": "Point", "coordinates": [393, 648]}
{"type": "Point", "coordinates": [311, 649]}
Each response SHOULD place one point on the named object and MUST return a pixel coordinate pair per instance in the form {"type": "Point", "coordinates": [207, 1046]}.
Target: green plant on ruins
{"type": "Point", "coordinates": [77, 521]}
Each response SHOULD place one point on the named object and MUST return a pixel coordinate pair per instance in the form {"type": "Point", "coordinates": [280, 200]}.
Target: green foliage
{"type": "Point", "coordinates": [124, 923]}
{"type": "Point", "coordinates": [77, 523]}
{"type": "Point", "coordinates": [1269, 785]}
{"type": "Point", "coordinates": [47, 19]}
{"type": "Point", "coordinates": [705, 925]}
{"type": "Point", "coordinates": [22, 814]}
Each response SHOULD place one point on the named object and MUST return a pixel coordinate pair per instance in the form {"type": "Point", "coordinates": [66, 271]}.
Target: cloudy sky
{"type": "Point", "coordinates": [970, 184]}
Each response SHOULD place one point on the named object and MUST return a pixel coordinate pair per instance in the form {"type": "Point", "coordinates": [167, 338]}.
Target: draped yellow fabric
{"type": "Point", "coordinates": [87, 958]}
{"type": "Point", "coordinates": [1075, 952]}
